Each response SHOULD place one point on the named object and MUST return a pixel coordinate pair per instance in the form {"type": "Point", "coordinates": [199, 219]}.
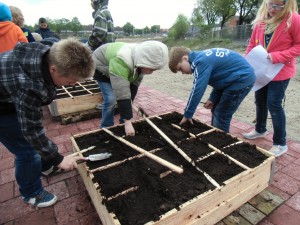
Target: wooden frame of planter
{"type": "Point", "coordinates": [207, 208]}
{"type": "Point", "coordinates": [81, 97]}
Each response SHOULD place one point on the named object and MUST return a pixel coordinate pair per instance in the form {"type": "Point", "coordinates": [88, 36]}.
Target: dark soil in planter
{"type": "Point", "coordinates": [194, 148]}
{"type": "Point", "coordinates": [158, 191]}
{"type": "Point", "coordinates": [218, 139]}
{"type": "Point", "coordinates": [146, 137]}
{"type": "Point", "coordinates": [104, 143]}
{"type": "Point", "coordinates": [219, 167]}
{"type": "Point", "coordinates": [246, 154]}
{"type": "Point", "coordinates": [175, 118]}
{"type": "Point", "coordinates": [155, 196]}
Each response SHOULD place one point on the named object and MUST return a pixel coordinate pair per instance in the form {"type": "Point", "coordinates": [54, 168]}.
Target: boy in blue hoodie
{"type": "Point", "coordinates": [230, 75]}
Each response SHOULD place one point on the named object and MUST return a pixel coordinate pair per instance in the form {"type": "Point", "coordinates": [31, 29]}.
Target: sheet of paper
{"type": "Point", "coordinates": [264, 70]}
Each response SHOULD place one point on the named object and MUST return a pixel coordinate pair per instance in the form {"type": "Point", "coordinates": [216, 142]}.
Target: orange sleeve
{"type": "Point", "coordinates": [21, 36]}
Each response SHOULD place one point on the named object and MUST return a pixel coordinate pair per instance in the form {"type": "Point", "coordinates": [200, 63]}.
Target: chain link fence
{"type": "Point", "coordinates": [239, 33]}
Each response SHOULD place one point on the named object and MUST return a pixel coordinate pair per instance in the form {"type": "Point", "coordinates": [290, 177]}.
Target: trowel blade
{"type": "Point", "coordinates": [97, 157]}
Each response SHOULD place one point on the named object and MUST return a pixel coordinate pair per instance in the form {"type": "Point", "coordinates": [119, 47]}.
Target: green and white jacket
{"type": "Point", "coordinates": [119, 63]}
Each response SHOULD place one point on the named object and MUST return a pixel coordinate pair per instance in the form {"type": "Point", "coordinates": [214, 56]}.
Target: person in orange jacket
{"type": "Point", "coordinates": [10, 33]}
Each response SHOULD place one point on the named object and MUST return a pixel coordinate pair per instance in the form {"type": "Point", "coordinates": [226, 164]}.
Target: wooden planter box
{"type": "Point", "coordinates": [82, 97]}
{"type": "Point", "coordinates": [208, 207]}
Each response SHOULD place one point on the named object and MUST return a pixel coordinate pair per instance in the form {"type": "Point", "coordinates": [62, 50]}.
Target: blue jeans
{"type": "Point", "coordinates": [27, 160]}
{"type": "Point", "coordinates": [227, 102]}
{"type": "Point", "coordinates": [108, 104]}
{"type": "Point", "coordinates": [270, 98]}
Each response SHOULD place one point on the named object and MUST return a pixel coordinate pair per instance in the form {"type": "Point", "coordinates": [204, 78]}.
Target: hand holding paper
{"type": "Point", "coordinates": [264, 70]}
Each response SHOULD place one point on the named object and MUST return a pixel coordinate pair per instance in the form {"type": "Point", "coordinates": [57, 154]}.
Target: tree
{"type": "Point", "coordinates": [146, 30]}
{"type": "Point", "coordinates": [155, 29]}
{"type": "Point", "coordinates": [246, 9]}
{"type": "Point", "coordinates": [180, 28]}
{"type": "Point", "coordinates": [75, 25]}
{"type": "Point", "coordinates": [58, 25]}
{"type": "Point", "coordinates": [208, 10]}
{"type": "Point", "coordinates": [225, 10]}
{"type": "Point", "coordinates": [128, 28]}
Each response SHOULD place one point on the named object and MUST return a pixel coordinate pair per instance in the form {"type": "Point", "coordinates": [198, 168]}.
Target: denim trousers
{"type": "Point", "coordinates": [27, 160]}
{"type": "Point", "coordinates": [108, 104]}
{"type": "Point", "coordinates": [270, 98]}
{"type": "Point", "coordinates": [225, 105]}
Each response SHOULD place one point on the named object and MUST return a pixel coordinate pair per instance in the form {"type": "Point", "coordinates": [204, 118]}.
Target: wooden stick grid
{"type": "Point", "coordinates": [83, 86]}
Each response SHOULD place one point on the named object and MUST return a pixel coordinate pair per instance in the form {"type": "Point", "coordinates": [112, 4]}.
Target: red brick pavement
{"type": "Point", "coordinates": [74, 205]}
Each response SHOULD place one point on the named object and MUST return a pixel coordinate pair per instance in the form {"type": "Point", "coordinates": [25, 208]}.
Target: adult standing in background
{"type": "Point", "coordinates": [103, 28]}
{"type": "Point", "coordinates": [44, 30]}
{"type": "Point", "coordinates": [10, 33]}
{"type": "Point", "coordinates": [276, 28]}
{"type": "Point", "coordinates": [18, 19]}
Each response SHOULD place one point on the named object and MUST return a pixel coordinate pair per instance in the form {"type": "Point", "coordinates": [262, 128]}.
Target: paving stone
{"type": "Point", "coordinates": [7, 191]}
{"type": "Point", "coordinates": [73, 208]}
{"type": "Point", "coordinates": [286, 183]}
{"type": "Point", "coordinates": [91, 219]}
{"type": "Point", "coordinates": [14, 208]}
{"type": "Point", "coordinates": [7, 176]}
{"type": "Point", "coordinates": [294, 202]}
{"type": "Point", "coordinates": [75, 185]}
{"type": "Point", "coordinates": [7, 163]}
{"type": "Point", "coordinates": [59, 189]}
{"type": "Point", "coordinates": [292, 170]}
{"type": "Point", "coordinates": [44, 216]}
{"type": "Point", "coordinates": [285, 215]}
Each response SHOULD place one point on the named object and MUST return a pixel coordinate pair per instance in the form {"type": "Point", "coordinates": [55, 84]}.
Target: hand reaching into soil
{"type": "Point", "coordinates": [208, 104]}
{"type": "Point", "coordinates": [129, 129]}
{"type": "Point", "coordinates": [186, 120]}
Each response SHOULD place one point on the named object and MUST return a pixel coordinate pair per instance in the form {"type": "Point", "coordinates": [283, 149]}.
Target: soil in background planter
{"type": "Point", "coordinates": [246, 154]}
{"type": "Point", "coordinates": [154, 196]}
{"type": "Point", "coordinates": [218, 139]}
{"type": "Point", "coordinates": [219, 167]}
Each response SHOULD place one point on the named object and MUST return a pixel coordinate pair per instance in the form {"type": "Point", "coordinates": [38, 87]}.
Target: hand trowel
{"type": "Point", "coordinates": [95, 157]}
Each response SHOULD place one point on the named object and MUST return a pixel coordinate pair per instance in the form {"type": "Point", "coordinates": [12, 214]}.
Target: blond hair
{"type": "Point", "coordinates": [271, 23]}
{"type": "Point", "coordinates": [176, 54]}
{"type": "Point", "coordinates": [17, 16]}
{"type": "Point", "coordinates": [72, 59]}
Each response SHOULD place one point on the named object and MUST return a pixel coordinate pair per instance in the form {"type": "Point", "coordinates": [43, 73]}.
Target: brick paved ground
{"type": "Point", "coordinates": [74, 206]}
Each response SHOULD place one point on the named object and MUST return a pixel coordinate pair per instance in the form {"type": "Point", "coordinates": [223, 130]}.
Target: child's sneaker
{"type": "Point", "coordinates": [254, 134]}
{"type": "Point", "coordinates": [44, 199]}
{"type": "Point", "coordinates": [51, 170]}
{"type": "Point", "coordinates": [278, 150]}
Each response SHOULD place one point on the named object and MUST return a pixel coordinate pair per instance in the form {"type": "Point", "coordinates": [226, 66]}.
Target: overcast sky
{"type": "Point", "coordinates": [139, 13]}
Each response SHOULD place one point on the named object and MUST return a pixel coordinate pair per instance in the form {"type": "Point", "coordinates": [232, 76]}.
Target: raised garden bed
{"type": "Point", "coordinates": [130, 188]}
{"type": "Point", "coordinates": [81, 97]}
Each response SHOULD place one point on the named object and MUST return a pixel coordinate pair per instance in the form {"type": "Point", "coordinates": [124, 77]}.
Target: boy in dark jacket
{"type": "Point", "coordinates": [44, 30]}
{"type": "Point", "coordinates": [28, 77]}
{"type": "Point", "coordinates": [230, 75]}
